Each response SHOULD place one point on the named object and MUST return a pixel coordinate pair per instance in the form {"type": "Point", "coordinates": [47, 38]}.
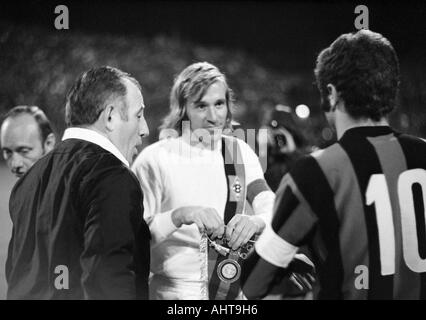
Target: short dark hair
{"type": "Point", "coordinates": [39, 116]}
{"type": "Point", "coordinates": [91, 91]}
{"type": "Point", "coordinates": [364, 68]}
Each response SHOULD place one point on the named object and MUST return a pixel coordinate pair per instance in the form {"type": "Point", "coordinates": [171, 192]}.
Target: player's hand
{"type": "Point", "coordinates": [241, 228]}
{"type": "Point", "coordinates": [302, 272]}
{"type": "Point", "coordinates": [207, 220]}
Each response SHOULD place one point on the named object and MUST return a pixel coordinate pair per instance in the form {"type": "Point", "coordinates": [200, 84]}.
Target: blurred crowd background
{"type": "Point", "coordinates": [266, 49]}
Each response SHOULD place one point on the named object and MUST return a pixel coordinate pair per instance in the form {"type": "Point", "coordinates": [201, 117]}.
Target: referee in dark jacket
{"type": "Point", "coordinates": [78, 228]}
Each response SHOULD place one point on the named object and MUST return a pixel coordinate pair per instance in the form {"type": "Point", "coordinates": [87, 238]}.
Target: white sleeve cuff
{"type": "Point", "coordinates": [162, 226]}
{"type": "Point", "coordinates": [273, 249]}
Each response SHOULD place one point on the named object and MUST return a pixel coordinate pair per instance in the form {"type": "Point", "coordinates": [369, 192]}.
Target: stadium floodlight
{"type": "Point", "coordinates": [302, 111]}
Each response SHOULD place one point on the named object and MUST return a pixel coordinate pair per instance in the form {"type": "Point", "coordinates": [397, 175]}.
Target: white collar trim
{"type": "Point", "coordinates": [96, 138]}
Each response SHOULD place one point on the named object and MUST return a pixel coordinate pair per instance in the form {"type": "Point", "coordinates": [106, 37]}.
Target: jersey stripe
{"type": "Point", "coordinates": [392, 160]}
{"type": "Point", "coordinates": [415, 156]}
{"type": "Point", "coordinates": [287, 202]}
{"type": "Point", "coordinates": [365, 164]}
{"type": "Point", "coordinates": [258, 276]}
{"type": "Point", "coordinates": [341, 177]}
{"type": "Point", "coordinates": [419, 206]}
{"type": "Point", "coordinates": [321, 201]}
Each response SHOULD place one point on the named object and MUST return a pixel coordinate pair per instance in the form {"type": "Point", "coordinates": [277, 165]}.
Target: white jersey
{"type": "Point", "coordinates": [173, 174]}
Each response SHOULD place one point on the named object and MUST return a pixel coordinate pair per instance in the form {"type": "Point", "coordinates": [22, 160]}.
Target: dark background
{"type": "Point", "coordinates": [272, 30]}
{"type": "Point", "coordinates": [267, 49]}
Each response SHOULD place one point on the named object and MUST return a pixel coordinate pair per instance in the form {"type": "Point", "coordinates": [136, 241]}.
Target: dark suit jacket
{"type": "Point", "coordinates": [78, 215]}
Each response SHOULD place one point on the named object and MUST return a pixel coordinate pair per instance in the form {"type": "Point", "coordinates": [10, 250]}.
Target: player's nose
{"type": "Point", "coordinates": [211, 114]}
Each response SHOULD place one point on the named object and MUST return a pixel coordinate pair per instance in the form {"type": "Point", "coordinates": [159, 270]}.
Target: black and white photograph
{"type": "Point", "coordinates": [234, 151]}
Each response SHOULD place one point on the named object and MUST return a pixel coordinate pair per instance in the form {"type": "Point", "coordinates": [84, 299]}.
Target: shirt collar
{"type": "Point", "coordinates": [369, 131]}
{"type": "Point", "coordinates": [96, 138]}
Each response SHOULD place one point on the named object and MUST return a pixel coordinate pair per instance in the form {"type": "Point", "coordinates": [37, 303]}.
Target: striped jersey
{"type": "Point", "coordinates": [360, 207]}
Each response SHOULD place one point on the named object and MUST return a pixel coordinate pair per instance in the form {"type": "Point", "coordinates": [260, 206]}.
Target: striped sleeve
{"type": "Point", "coordinates": [276, 247]}
{"type": "Point", "coordinates": [293, 218]}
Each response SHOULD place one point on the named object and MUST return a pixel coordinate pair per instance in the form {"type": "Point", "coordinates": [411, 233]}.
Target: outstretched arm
{"type": "Point", "coordinates": [278, 244]}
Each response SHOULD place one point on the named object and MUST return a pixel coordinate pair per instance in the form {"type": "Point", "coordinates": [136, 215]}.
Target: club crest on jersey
{"type": "Point", "coordinates": [236, 188]}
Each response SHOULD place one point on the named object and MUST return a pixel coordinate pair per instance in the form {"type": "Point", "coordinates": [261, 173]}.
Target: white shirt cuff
{"type": "Point", "coordinates": [162, 226]}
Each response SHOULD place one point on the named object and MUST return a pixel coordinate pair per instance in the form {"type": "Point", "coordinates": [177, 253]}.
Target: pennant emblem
{"type": "Point", "coordinates": [229, 270]}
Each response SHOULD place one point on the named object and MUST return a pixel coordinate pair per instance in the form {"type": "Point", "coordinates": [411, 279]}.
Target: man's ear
{"type": "Point", "coordinates": [333, 96]}
{"type": "Point", "coordinates": [108, 115]}
{"type": "Point", "coordinates": [49, 143]}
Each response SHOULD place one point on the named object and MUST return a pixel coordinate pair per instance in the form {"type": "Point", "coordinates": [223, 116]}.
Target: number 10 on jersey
{"type": "Point", "coordinates": [377, 192]}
